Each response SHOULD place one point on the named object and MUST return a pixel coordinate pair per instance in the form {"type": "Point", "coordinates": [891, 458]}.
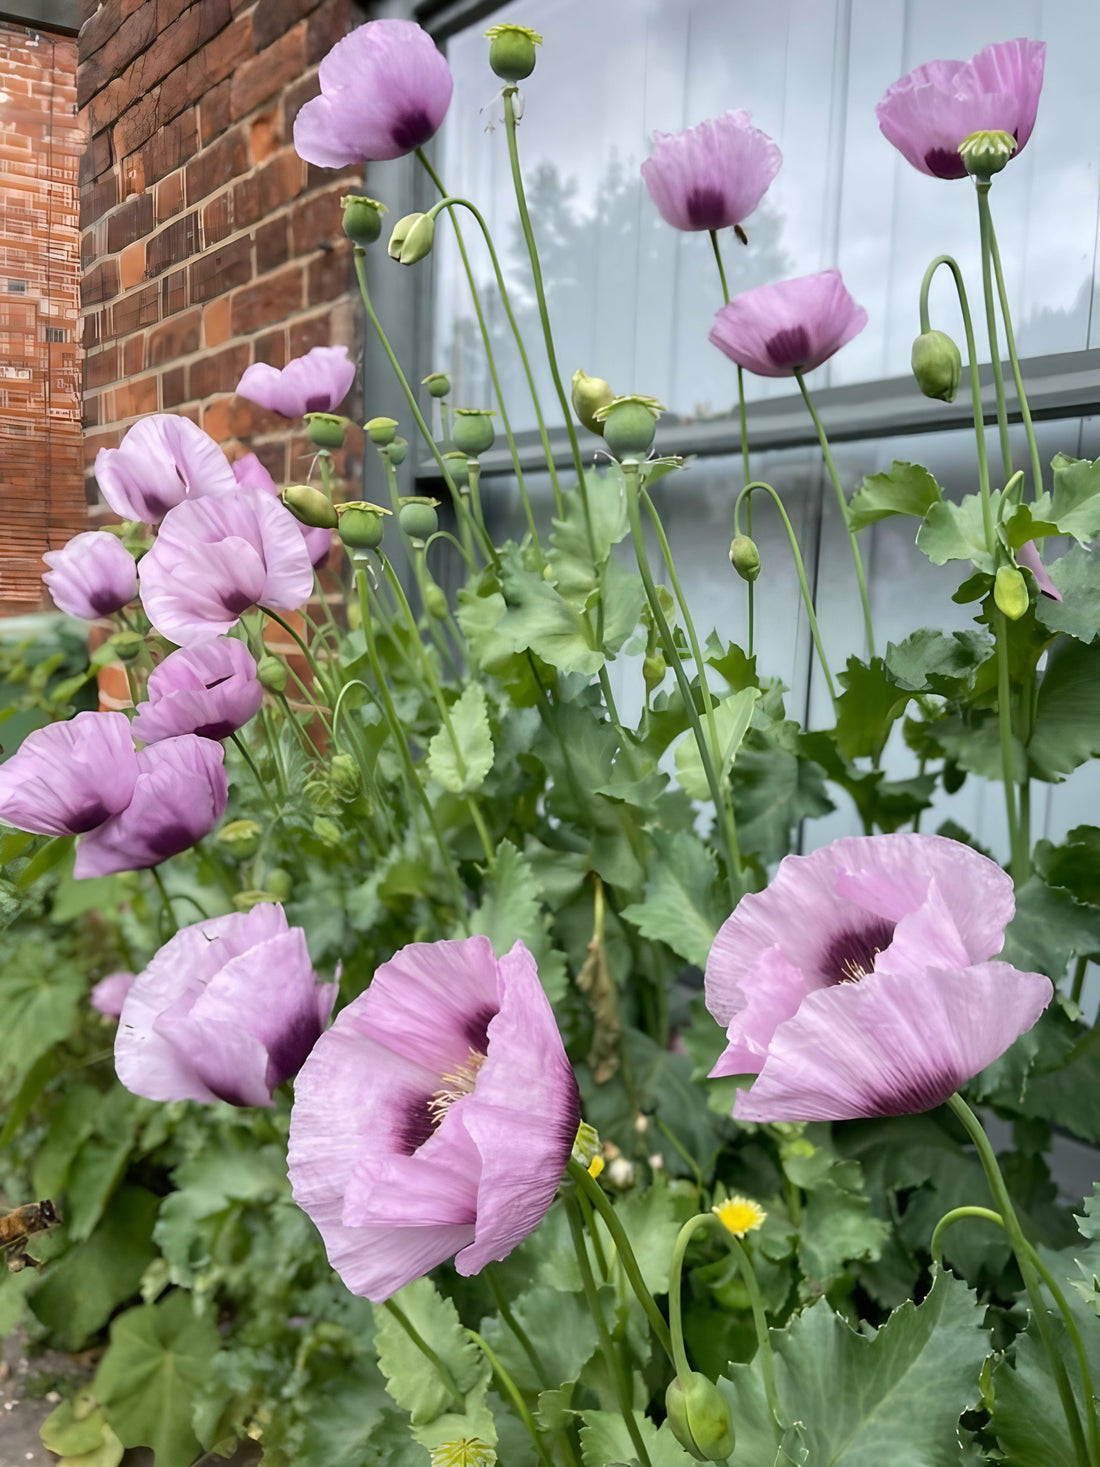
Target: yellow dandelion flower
{"type": "Point", "coordinates": [739, 1215]}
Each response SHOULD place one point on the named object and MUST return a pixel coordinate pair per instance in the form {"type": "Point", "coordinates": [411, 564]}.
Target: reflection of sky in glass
{"type": "Point", "coordinates": [633, 299]}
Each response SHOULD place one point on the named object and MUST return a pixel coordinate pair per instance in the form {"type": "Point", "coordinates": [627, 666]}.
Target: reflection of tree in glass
{"type": "Point", "coordinates": [1047, 330]}
{"type": "Point", "coordinates": [630, 298]}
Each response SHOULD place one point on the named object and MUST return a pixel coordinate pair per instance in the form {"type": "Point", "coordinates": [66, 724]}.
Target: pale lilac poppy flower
{"type": "Point", "coordinates": [179, 796]}
{"type": "Point", "coordinates": [214, 558]}
{"type": "Point", "coordinates": [929, 112]}
{"type": "Point", "coordinates": [227, 1010]}
{"type": "Point", "coordinates": [92, 575]}
{"type": "Point", "coordinates": [315, 383]}
{"type": "Point", "coordinates": [162, 461]}
{"type": "Point", "coordinates": [713, 175]}
{"type": "Point", "coordinates": [209, 688]}
{"type": "Point", "coordinates": [1028, 556]}
{"type": "Point", "coordinates": [385, 89]}
{"type": "Point", "coordinates": [435, 1117]}
{"type": "Point", "coordinates": [251, 474]}
{"type": "Point", "coordinates": [858, 983]}
{"type": "Point", "coordinates": [70, 777]}
{"type": "Point", "coordinates": [109, 994]}
{"type": "Point", "coordinates": [793, 326]}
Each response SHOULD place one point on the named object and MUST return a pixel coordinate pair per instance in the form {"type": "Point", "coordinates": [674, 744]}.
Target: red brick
{"type": "Point", "coordinates": [169, 196]}
{"type": "Point", "coordinates": [177, 337]}
{"type": "Point", "coordinates": [99, 284]}
{"type": "Point", "coordinates": [216, 165]}
{"type": "Point", "coordinates": [330, 24]}
{"type": "Point", "coordinates": [97, 199]}
{"type": "Point", "coordinates": [313, 331]}
{"type": "Point", "coordinates": [273, 458]}
{"type": "Point", "coordinates": [131, 39]}
{"type": "Point", "coordinates": [171, 145]}
{"type": "Point", "coordinates": [330, 275]}
{"type": "Point", "coordinates": [136, 125]}
{"type": "Point", "coordinates": [131, 222]}
{"type": "Point", "coordinates": [96, 158]}
{"type": "Point", "coordinates": [294, 99]}
{"type": "Point", "coordinates": [214, 112]}
{"type": "Point", "coordinates": [133, 355]}
{"type": "Point", "coordinates": [217, 218]}
{"type": "Point", "coordinates": [316, 221]}
{"type": "Point", "coordinates": [274, 17]}
{"type": "Point", "coordinates": [137, 397]}
{"type": "Point", "coordinates": [271, 348]}
{"type": "Point", "coordinates": [264, 136]}
{"type": "Point", "coordinates": [271, 245]}
{"type": "Point", "coordinates": [235, 417]}
{"type": "Point", "coordinates": [89, 416]}
{"type": "Point", "coordinates": [216, 322]}
{"type": "Point", "coordinates": [178, 242]}
{"type": "Point", "coordinates": [173, 387]}
{"type": "Point", "coordinates": [216, 61]}
{"type": "Point", "coordinates": [221, 269]}
{"type": "Point", "coordinates": [131, 265]}
{"type": "Point", "coordinates": [101, 367]}
{"type": "Point", "coordinates": [218, 371]}
{"type": "Point", "coordinates": [133, 175]}
{"type": "Point", "coordinates": [174, 293]}
{"type": "Point", "coordinates": [139, 308]}
{"type": "Point", "coordinates": [352, 176]}
{"type": "Point", "coordinates": [268, 72]}
{"type": "Point", "coordinates": [269, 300]}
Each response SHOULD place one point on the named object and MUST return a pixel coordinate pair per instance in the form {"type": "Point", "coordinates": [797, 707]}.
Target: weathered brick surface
{"type": "Point", "coordinates": [207, 243]}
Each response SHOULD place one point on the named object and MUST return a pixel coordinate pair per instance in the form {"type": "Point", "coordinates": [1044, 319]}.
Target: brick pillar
{"type": "Point", "coordinates": [41, 480]}
{"type": "Point", "coordinates": [207, 243]}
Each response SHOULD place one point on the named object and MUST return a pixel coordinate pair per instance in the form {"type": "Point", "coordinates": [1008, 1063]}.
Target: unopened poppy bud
{"type": "Point", "coordinates": [745, 557]}
{"type": "Point", "coordinates": [416, 239]}
{"type": "Point", "coordinates": [344, 776]}
{"type": "Point", "coordinates": [399, 234]}
{"type": "Point", "coordinates": [437, 383]}
{"type": "Point", "coordinates": [456, 467]}
{"type": "Point", "coordinates": [473, 431]}
{"type": "Point", "coordinates": [381, 431]}
{"type": "Point", "coordinates": [512, 51]}
{"type": "Point", "coordinates": [653, 670]}
{"type": "Point", "coordinates": [936, 365]}
{"type": "Point", "coordinates": [127, 645]}
{"type": "Point", "coordinates": [630, 425]}
{"type": "Point", "coordinates": [417, 516]}
{"type": "Point", "coordinates": [589, 395]}
{"type": "Point", "coordinates": [362, 218]}
{"type": "Point", "coordinates": [985, 153]}
{"type": "Point", "coordinates": [310, 506]}
{"type": "Point", "coordinates": [240, 839]}
{"type": "Point", "coordinates": [271, 673]}
{"type": "Point", "coordinates": [326, 430]}
{"type": "Point", "coordinates": [435, 602]}
{"type": "Point", "coordinates": [676, 1411]}
{"type": "Point", "coordinates": [709, 1419]}
{"type": "Point", "coordinates": [397, 450]}
{"type": "Point", "coordinates": [1010, 592]}
{"type": "Point", "coordinates": [280, 881]}
{"type": "Point", "coordinates": [327, 831]}
{"type": "Point", "coordinates": [360, 524]}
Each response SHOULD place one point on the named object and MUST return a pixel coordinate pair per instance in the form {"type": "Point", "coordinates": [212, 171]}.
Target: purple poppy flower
{"type": "Point", "coordinates": [227, 1010]}
{"type": "Point", "coordinates": [70, 777]}
{"type": "Point", "coordinates": [711, 176]}
{"type": "Point", "coordinates": [109, 994]}
{"type": "Point", "coordinates": [1028, 556]}
{"type": "Point", "coordinates": [179, 796]}
{"type": "Point", "coordinates": [929, 112]}
{"type": "Point", "coordinates": [214, 558]}
{"type": "Point", "coordinates": [92, 575]}
{"type": "Point", "coordinates": [857, 983]}
{"type": "Point", "coordinates": [794, 326]}
{"type": "Point", "coordinates": [385, 89]}
{"type": "Point", "coordinates": [162, 461]}
{"type": "Point", "coordinates": [435, 1117]}
{"type": "Point", "coordinates": [251, 474]}
{"type": "Point", "coordinates": [315, 383]}
{"type": "Point", "coordinates": [209, 688]}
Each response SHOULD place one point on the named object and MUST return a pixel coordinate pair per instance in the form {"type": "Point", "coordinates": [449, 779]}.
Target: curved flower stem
{"type": "Point", "coordinates": [523, 1411]}
{"type": "Point", "coordinates": [985, 225]}
{"type": "Point", "coordinates": [544, 316]}
{"type": "Point", "coordinates": [165, 898]}
{"type": "Point", "coordinates": [675, 1270]}
{"type": "Point", "coordinates": [504, 1309]}
{"type": "Point", "coordinates": [760, 1322]}
{"type": "Point", "coordinates": [949, 1219]}
{"type": "Point", "coordinates": [452, 203]}
{"type": "Point", "coordinates": [726, 810]}
{"type": "Point", "coordinates": [857, 559]}
{"type": "Point", "coordinates": [242, 749]}
{"type": "Point", "coordinates": [315, 666]}
{"type": "Point", "coordinates": [619, 1373]}
{"type": "Point", "coordinates": [1025, 1258]}
{"type": "Point", "coordinates": [672, 657]}
{"type": "Point", "coordinates": [800, 569]}
{"type": "Point", "coordinates": [426, 1350]}
{"type": "Point", "coordinates": [595, 1194]}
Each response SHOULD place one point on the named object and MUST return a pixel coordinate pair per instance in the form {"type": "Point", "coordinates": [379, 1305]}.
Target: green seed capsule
{"type": "Point", "coordinates": [1010, 592]}
{"type": "Point", "coordinates": [362, 218]}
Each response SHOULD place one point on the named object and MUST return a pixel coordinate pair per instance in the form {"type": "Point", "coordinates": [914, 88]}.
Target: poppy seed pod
{"type": "Point", "coordinates": [653, 670]}
{"type": "Point", "coordinates": [473, 431]}
{"type": "Point", "coordinates": [362, 221]}
{"type": "Point", "coordinates": [589, 395]}
{"type": "Point", "coordinates": [381, 431]}
{"type": "Point", "coordinates": [456, 467]}
{"type": "Point", "coordinates": [986, 152]}
{"type": "Point", "coordinates": [326, 430]}
{"type": "Point", "coordinates": [397, 450]}
{"type": "Point", "coordinates": [309, 506]}
{"type": "Point", "coordinates": [936, 365]}
{"type": "Point", "coordinates": [360, 525]}
{"type": "Point", "coordinates": [512, 51]}
{"type": "Point", "coordinates": [271, 673]}
{"type": "Point", "coordinates": [417, 516]}
{"type": "Point", "coordinates": [240, 839]}
{"type": "Point", "coordinates": [437, 383]}
{"type": "Point", "coordinates": [630, 425]}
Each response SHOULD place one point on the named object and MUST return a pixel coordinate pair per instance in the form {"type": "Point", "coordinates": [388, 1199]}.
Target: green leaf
{"type": "Point", "coordinates": [77, 1431]}
{"type": "Point", "coordinates": [1067, 710]}
{"type": "Point", "coordinates": [411, 1379]}
{"type": "Point", "coordinates": [575, 573]}
{"type": "Point", "coordinates": [155, 1366]}
{"type": "Point", "coordinates": [511, 911]}
{"type": "Point", "coordinates": [935, 662]}
{"type": "Point", "coordinates": [837, 1229]}
{"type": "Point", "coordinates": [1074, 865]}
{"type": "Point", "coordinates": [52, 854]}
{"type": "Point", "coordinates": [1050, 927]}
{"type": "Point", "coordinates": [906, 489]}
{"type": "Point", "coordinates": [1074, 505]}
{"type": "Point", "coordinates": [606, 1442]}
{"type": "Point", "coordinates": [957, 532]}
{"type": "Point", "coordinates": [460, 763]}
{"type": "Point", "coordinates": [682, 906]}
{"type": "Point", "coordinates": [774, 788]}
{"type": "Point", "coordinates": [40, 998]}
{"type": "Point", "coordinates": [559, 1326]}
{"type": "Point", "coordinates": [101, 1161]}
{"type": "Point", "coordinates": [731, 721]}
{"type": "Point", "coordinates": [1077, 576]}
{"type": "Point", "coordinates": [538, 618]}
{"type": "Point", "coordinates": [623, 597]}
{"type": "Point", "coordinates": [866, 710]}
{"type": "Point", "coordinates": [652, 1220]}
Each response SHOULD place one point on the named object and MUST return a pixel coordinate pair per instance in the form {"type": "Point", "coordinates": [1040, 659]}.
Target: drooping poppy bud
{"type": "Point", "coordinates": [589, 395]}
{"type": "Point", "coordinates": [309, 506]}
{"type": "Point", "coordinates": [745, 557]}
{"type": "Point", "coordinates": [936, 365]}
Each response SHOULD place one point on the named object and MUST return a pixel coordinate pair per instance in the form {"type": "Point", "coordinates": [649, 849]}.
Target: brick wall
{"type": "Point", "coordinates": [41, 479]}
{"type": "Point", "coordinates": [207, 244]}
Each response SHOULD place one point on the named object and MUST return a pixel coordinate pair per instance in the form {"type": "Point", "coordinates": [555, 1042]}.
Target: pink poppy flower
{"type": "Point", "coordinates": [109, 994]}
{"type": "Point", "coordinates": [227, 1010]}
{"type": "Point", "coordinates": [1028, 557]}
{"type": "Point", "coordinates": [162, 461]}
{"type": "Point", "coordinates": [92, 575]}
{"type": "Point", "coordinates": [251, 474]}
{"type": "Point", "coordinates": [858, 983]}
{"type": "Point", "coordinates": [214, 558]}
{"type": "Point", "coordinates": [315, 383]}
{"type": "Point", "coordinates": [69, 777]}
{"type": "Point", "coordinates": [385, 89]}
{"type": "Point", "coordinates": [179, 796]}
{"type": "Point", "coordinates": [209, 688]}
{"type": "Point", "coordinates": [713, 175]}
{"type": "Point", "coordinates": [929, 112]}
{"type": "Point", "coordinates": [794, 326]}
{"type": "Point", "coordinates": [435, 1117]}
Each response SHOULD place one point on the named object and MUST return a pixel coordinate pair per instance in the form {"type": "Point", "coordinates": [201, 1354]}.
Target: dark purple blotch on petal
{"type": "Point", "coordinates": [851, 956]}
{"type": "Point", "coordinates": [789, 347]}
{"type": "Point", "coordinates": [706, 208]}
{"type": "Point", "coordinates": [287, 1053]}
{"type": "Point", "coordinates": [319, 403]}
{"type": "Point", "coordinates": [944, 163]}
{"type": "Point", "coordinates": [218, 730]}
{"type": "Point", "coordinates": [236, 601]}
{"type": "Point", "coordinates": [228, 1094]}
{"type": "Point", "coordinates": [87, 819]}
{"type": "Point", "coordinates": [413, 128]}
{"type": "Point", "coordinates": [169, 840]}
{"type": "Point", "coordinates": [910, 1094]}
{"type": "Point", "coordinates": [476, 1029]}
{"type": "Point", "coordinates": [416, 1126]}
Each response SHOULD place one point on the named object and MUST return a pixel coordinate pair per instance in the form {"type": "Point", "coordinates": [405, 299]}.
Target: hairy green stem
{"type": "Point", "coordinates": [426, 1350]}
{"type": "Point", "coordinates": [985, 225]}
